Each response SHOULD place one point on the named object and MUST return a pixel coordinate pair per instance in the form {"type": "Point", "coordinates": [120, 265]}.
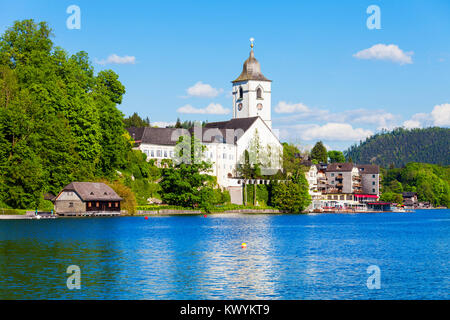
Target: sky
{"type": "Point", "coordinates": [341, 70]}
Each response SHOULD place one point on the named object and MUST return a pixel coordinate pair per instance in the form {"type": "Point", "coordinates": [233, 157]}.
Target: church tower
{"type": "Point", "coordinates": [252, 92]}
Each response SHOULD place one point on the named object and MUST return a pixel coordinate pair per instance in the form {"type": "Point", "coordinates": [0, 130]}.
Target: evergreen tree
{"type": "Point", "coordinates": [136, 121]}
{"type": "Point", "coordinates": [319, 152]}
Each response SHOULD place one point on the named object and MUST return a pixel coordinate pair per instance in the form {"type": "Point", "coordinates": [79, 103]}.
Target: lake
{"type": "Point", "coordinates": [192, 257]}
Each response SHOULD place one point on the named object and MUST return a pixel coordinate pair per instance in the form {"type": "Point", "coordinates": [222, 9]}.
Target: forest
{"type": "Point", "coordinates": [430, 181]}
{"type": "Point", "coordinates": [401, 146]}
{"type": "Point", "coordinates": [59, 122]}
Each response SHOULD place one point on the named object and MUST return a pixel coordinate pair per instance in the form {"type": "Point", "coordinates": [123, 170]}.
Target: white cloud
{"type": "Point", "coordinates": [203, 90]}
{"type": "Point", "coordinates": [162, 124]}
{"type": "Point", "coordinates": [115, 59]}
{"type": "Point", "coordinates": [389, 52]}
{"type": "Point", "coordinates": [379, 118]}
{"type": "Point", "coordinates": [284, 107]}
{"type": "Point", "coordinates": [410, 124]}
{"type": "Point", "coordinates": [441, 115]}
{"type": "Point", "coordinates": [212, 108]}
{"type": "Point", "coordinates": [332, 131]}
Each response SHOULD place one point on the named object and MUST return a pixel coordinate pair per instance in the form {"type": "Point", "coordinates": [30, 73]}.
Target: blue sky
{"type": "Point", "coordinates": [334, 79]}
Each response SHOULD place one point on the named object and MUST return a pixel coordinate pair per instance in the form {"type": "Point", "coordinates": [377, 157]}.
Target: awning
{"type": "Point", "coordinates": [366, 196]}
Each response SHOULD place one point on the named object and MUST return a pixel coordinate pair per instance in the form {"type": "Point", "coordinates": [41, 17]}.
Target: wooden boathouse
{"type": "Point", "coordinates": [87, 199]}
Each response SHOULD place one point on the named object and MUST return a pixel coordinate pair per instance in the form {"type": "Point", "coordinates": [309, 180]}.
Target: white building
{"type": "Point", "coordinates": [226, 141]}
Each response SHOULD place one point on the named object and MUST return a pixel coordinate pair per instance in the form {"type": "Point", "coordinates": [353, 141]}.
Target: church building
{"type": "Point", "coordinates": [226, 141]}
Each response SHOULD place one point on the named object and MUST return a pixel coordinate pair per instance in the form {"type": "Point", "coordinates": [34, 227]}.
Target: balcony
{"type": "Point", "coordinates": [339, 185]}
{"type": "Point", "coordinates": [356, 178]}
{"type": "Point", "coordinates": [339, 177]}
{"type": "Point", "coordinates": [357, 185]}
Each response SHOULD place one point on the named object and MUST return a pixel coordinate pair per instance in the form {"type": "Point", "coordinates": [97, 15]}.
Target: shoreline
{"type": "Point", "coordinates": [175, 212]}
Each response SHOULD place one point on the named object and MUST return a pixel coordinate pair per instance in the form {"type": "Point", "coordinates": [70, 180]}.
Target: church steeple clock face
{"type": "Point", "coordinates": [252, 91]}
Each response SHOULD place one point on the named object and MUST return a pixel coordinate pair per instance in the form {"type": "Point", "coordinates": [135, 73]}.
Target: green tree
{"type": "Point", "coordinates": [136, 121]}
{"type": "Point", "coordinates": [58, 121]}
{"type": "Point", "coordinates": [319, 152]}
{"type": "Point", "coordinates": [187, 183]}
{"type": "Point", "coordinates": [292, 195]}
{"type": "Point", "coordinates": [336, 156]}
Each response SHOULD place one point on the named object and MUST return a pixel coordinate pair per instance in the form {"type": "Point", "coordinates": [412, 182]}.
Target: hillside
{"type": "Point", "coordinates": [401, 146]}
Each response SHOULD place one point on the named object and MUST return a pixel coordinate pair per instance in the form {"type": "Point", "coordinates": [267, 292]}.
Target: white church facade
{"type": "Point", "coordinates": [225, 142]}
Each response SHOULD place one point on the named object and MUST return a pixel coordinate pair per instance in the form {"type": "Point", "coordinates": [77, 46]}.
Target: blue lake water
{"type": "Point", "coordinates": [192, 257]}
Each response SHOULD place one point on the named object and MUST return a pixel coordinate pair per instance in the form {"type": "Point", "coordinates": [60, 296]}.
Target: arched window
{"type": "Point", "coordinates": [241, 93]}
{"type": "Point", "coordinates": [259, 93]}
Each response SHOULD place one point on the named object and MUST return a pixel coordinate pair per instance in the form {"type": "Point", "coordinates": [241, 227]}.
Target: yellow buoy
{"type": "Point", "coordinates": [244, 245]}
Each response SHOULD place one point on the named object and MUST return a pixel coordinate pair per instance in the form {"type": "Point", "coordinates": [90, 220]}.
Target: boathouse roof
{"type": "Point", "coordinates": [93, 191]}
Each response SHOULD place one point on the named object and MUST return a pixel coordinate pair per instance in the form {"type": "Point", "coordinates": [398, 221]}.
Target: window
{"type": "Point", "coordinates": [71, 205]}
{"type": "Point", "coordinates": [258, 93]}
{"type": "Point", "coordinates": [158, 153]}
{"type": "Point", "coordinates": [97, 204]}
{"type": "Point", "coordinates": [332, 174]}
{"type": "Point", "coordinates": [109, 204]}
{"type": "Point", "coordinates": [373, 176]}
{"type": "Point", "coordinates": [332, 182]}
{"type": "Point", "coordinates": [152, 152]}
{"type": "Point", "coordinates": [373, 190]}
{"type": "Point", "coordinates": [224, 155]}
{"type": "Point", "coordinates": [117, 204]}
{"type": "Point", "coordinates": [165, 153]}
{"type": "Point", "coordinates": [89, 204]}
{"type": "Point", "coordinates": [373, 183]}
{"type": "Point", "coordinates": [241, 93]}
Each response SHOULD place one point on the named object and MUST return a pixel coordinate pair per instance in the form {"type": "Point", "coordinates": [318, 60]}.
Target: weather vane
{"type": "Point", "coordinates": [252, 40]}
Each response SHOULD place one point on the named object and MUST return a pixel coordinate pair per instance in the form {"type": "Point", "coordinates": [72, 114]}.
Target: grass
{"type": "Point", "coordinates": [14, 212]}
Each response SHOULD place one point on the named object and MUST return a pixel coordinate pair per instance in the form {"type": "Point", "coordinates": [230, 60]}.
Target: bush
{"type": "Point", "coordinates": [129, 200]}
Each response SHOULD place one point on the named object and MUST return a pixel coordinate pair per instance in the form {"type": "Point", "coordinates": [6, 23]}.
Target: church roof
{"type": "Point", "coordinates": [251, 70]}
{"type": "Point", "coordinates": [217, 132]}
{"type": "Point", "coordinates": [237, 123]}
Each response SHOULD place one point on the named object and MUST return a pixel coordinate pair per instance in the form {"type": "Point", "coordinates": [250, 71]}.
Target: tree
{"type": "Point", "coordinates": [391, 197]}
{"type": "Point", "coordinates": [336, 156]}
{"type": "Point", "coordinates": [291, 159]}
{"type": "Point", "coordinates": [292, 195]}
{"type": "Point", "coordinates": [187, 183]}
{"type": "Point", "coordinates": [136, 121]}
{"type": "Point", "coordinates": [59, 122]}
{"type": "Point", "coordinates": [319, 152]}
